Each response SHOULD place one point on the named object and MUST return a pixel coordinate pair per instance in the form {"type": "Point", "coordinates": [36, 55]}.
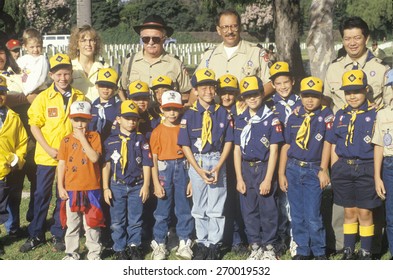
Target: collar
{"type": "Point", "coordinates": [276, 97]}
{"type": "Point", "coordinates": [163, 57]}
{"type": "Point", "coordinates": [246, 114]}
{"type": "Point", "coordinates": [366, 57]}
{"type": "Point", "coordinates": [54, 91]}
{"type": "Point", "coordinates": [199, 108]}
{"type": "Point", "coordinates": [112, 101]}
{"type": "Point", "coordinates": [241, 47]}
{"type": "Point", "coordinates": [302, 111]}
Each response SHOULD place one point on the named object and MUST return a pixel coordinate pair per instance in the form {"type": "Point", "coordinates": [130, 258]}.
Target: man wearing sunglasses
{"type": "Point", "coordinates": [153, 61]}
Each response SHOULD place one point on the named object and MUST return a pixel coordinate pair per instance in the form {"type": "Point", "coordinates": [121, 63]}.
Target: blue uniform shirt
{"type": "Point", "coordinates": [263, 134]}
{"type": "Point", "coordinates": [191, 128]}
{"type": "Point", "coordinates": [320, 123]}
{"type": "Point", "coordinates": [145, 124]}
{"type": "Point", "coordinates": [138, 155]}
{"type": "Point", "coordinates": [361, 147]}
{"type": "Point", "coordinates": [281, 108]}
{"type": "Point", "coordinates": [104, 123]}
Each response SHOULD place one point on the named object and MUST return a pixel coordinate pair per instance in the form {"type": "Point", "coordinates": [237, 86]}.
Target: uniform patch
{"type": "Point", "coordinates": [137, 144]}
{"type": "Point", "coordinates": [278, 128]}
{"type": "Point", "coordinates": [318, 137]}
{"type": "Point", "coordinates": [275, 121]}
{"type": "Point", "coordinates": [329, 125]}
{"type": "Point", "coordinates": [320, 119]}
{"type": "Point", "coordinates": [145, 146]}
{"type": "Point", "coordinates": [138, 160]}
{"type": "Point", "coordinates": [221, 125]}
{"type": "Point", "coordinates": [183, 121]}
{"type": "Point", "coordinates": [329, 118]}
{"type": "Point", "coordinates": [367, 139]}
{"type": "Point", "coordinates": [265, 123]}
{"type": "Point", "coordinates": [53, 112]}
{"type": "Point", "coordinates": [265, 141]}
{"type": "Point", "coordinates": [368, 119]}
{"type": "Point", "coordinates": [372, 73]}
{"type": "Point", "coordinates": [387, 139]}
{"type": "Point", "coordinates": [115, 156]}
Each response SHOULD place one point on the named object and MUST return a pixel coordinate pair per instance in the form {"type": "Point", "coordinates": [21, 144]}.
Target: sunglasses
{"type": "Point", "coordinates": [146, 40]}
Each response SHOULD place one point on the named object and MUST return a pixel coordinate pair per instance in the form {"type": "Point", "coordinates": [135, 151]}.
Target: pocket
{"type": "Point", "coordinates": [161, 165]}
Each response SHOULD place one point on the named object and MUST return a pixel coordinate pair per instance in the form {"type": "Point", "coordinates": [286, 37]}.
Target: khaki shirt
{"type": "Point", "coordinates": [383, 132]}
{"type": "Point", "coordinates": [247, 60]}
{"type": "Point", "coordinates": [376, 77]}
{"type": "Point", "coordinates": [167, 65]}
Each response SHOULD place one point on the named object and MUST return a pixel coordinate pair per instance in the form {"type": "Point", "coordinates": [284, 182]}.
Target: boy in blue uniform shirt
{"type": "Point", "coordinates": [303, 170]}
{"type": "Point", "coordinates": [126, 178]}
{"type": "Point", "coordinates": [159, 85]}
{"type": "Point", "coordinates": [352, 171]}
{"type": "Point", "coordinates": [206, 136]}
{"type": "Point", "coordinates": [257, 135]}
{"type": "Point", "coordinates": [106, 107]}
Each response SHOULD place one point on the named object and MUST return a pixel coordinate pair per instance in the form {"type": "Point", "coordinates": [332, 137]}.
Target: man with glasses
{"type": "Point", "coordinates": [153, 60]}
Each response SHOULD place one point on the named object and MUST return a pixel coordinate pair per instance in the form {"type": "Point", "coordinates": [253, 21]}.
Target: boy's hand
{"type": "Point", "coordinates": [324, 179]}
{"type": "Point", "coordinates": [206, 176]}
{"type": "Point", "coordinates": [79, 134]}
{"type": "Point", "coordinates": [107, 196]}
{"type": "Point", "coordinates": [63, 194]}
{"type": "Point", "coordinates": [241, 186]}
{"type": "Point", "coordinates": [189, 189]}
{"type": "Point", "coordinates": [53, 153]}
{"type": "Point", "coordinates": [380, 189]}
{"type": "Point", "coordinates": [144, 193]}
{"type": "Point", "coordinates": [283, 182]}
{"type": "Point", "coordinates": [159, 191]}
{"type": "Point", "coordinates": [214, 173]}
{"type": "Point", "coordinates": [264, 188]}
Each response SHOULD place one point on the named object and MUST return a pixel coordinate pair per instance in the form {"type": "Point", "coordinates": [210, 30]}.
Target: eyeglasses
{"type": "Point", "coordinates": [233, 27]}
{"type": "Point", "coordinates": [146, 40]}
{"type": "Point", "coordinates": [88, 41]}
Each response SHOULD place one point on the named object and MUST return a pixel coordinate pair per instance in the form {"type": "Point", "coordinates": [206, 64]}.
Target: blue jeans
{"type": "Point", "coordinates": [173, 175]}
{"type": "Point", "coordinates": [208, 201]}
{"type": "Point", "coordinates": [305, 197]}
{"type": "Point", "coordinates": [42, 198]}
{"type": "Point", "coordinates": [4, 195]}
{"type": "Point", "coordinates": [387, 176]}
{"type": "Point", "coordinates": [15, 181]}
{"type": "Point", "coordinates": [126, 215]}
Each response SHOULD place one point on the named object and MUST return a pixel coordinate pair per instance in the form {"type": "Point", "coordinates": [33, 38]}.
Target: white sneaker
{"type": "Point", "coordinates": [184, 251]}
{"type": "Point", "coordinates": [269, 253]}
{"type": "Point", "coordinates": [256, 252]}
{"type": "Point", "coordinates": [159, 251]}
{"type": "Point", "coordinates": [292, 248]}
{"type": "Point", "coordinates": [71, 257]}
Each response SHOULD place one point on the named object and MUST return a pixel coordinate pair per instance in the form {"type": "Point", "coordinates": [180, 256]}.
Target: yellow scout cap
{"type": "Point", "coordinates": [280, 68]}
{"type": "Point", "coordinates": [107, 77]}
{"type": "Point", "coordinates": [312, 85]}
{"type": "Point", "coordinates": [162, 81]}
{"type": "Point", "coordinates": [59, 59]}
{"type": "Point", "coordinates": [227, 83]}
{"type": "Point", "coordinates": [3, 83]}
{"type": "Point", "coordinates": [202, 77]}
{"type": "Point", "coordinates": [250, 85]}
{"type": "Point", "coordinates": [138, 89]}
{"type": "Point", "coordinates": [354, 80]}
{"type": "Point", "coordinates": [128, 108]}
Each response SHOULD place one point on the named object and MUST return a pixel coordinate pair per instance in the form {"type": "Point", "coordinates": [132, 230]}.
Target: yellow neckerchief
{"type": "Point", "coordinates": [123, 152]}
{"type": "Point", "coordinates": [303, 134]}
{"type": "Point", "coordinates": [351, 125]}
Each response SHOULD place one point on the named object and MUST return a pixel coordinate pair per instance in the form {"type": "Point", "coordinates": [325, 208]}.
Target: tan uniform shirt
{"type": "Point", "coordinates": [247, 60]}
{"type": "Point", "coordinates": [376, 77]}
{"type": "Point", "coordinates": [167, 65]}
{"type": "Point", "coordinates": [383, 132]}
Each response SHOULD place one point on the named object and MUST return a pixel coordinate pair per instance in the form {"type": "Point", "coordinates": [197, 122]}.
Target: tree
{"type": "Point", "coordinates": [320, 43]}
{"type": "Point", "coordinates": [83, 12]}
{"type": "Point", "coordinates": [258, 18]}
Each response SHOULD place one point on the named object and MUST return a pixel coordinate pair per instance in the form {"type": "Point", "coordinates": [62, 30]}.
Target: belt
{"type": "Point", "coordinates": [306, 164]}
{"type": "Point", "coordinates": [354, 161]}
{"type": "Point", "coordinates": [252, 163]}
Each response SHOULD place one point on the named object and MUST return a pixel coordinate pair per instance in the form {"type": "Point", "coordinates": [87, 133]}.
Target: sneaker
{"type": "Point", "coordinates": [184, 251]}
{"type": "Point", "coordinates": [240, 249]}
{"type": "Point", "coordinates": [214, 252]}
{"type": "Point", "coordinates": [269, 253]}
{"type": "Point", "coordinates": [280, 248]}
{"type": "Point", "coordinates": [292, 248]}
{"type": "Point", "coordinates": [159, 251]}
{"type": "Point", "coordinates": [201, 252]}
{"type": "Point", "coordinates": [121, 255]}
{"type": "Point", "coordinates": [256, 252]}
{"type": "Point", "coordinates": [58, 244]}
{"type": "Point", "coordinates": [348, 254]}
{"type": "Point", "coordinates": [134, 252]}
{"type": "Point", "coordinates": [71, 257]}
{"type": "Point", "coordinates": [364, 254]}
{"type": "Point", "coordinates": [300, 258]}
{"type": "Point", "coordinates": [19, 233]}
{"type": "Point", "coordinates": [31, 243]}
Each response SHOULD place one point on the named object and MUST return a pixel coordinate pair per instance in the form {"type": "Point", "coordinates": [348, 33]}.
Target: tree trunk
{"type": "Point", "coordinates": [320, 43]}
{"type": "Point", "coordinates": [83, 12]}
{"type": "Point", "coordinates": [287, 14]}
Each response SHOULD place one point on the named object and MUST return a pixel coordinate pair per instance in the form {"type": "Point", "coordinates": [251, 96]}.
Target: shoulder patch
{"type": "Point", "coordinates": [275, 121]}
{"type": "Point", "coordinates": [146, 146]}
{"type": "Point", "coordinates": [329, 118]}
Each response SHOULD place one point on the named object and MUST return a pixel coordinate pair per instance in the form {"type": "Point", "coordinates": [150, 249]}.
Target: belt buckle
{"type": "Point", "coordinates": [302, 164]}
{"type": "Point", "coordinates": [251, 163]}
{"type": "Point", "coordinates": [350, 161]}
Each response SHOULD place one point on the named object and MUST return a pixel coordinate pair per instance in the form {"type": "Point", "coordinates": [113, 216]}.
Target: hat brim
{"type": "Point", "coordinates": [130, 115]}
{"type": "Point", "coordinates": [107, 84]}
{"type": "Point", "coordinates": [79, 115]}
{"type": "Point", "coordinates": [173, 105]}
{"type": "Point", "coordinates": [280, 74]}
{"type": "Point", "coordinates": [223, 90]}
{"type": "Point", "coordinates": [139, 94]}
{"type": "Point", "coordinates": [251, 92]}
{"type": "Point", "coordinates": [314, 92]}
{"type": "Point", "coordinates": [160, 86]}
{"type": "Point", "coordinates": [353, 87]}
{"type": "Point", "coordinates": [15, 48]}
{"type": "Point", "coordinates": [4, 88]}
{"type": "Point", "coordinates": [204, 82]}
{"type": "Point", "coordinates": [169, 30]}
{"type": "Point", "coordinates": [60, 66]}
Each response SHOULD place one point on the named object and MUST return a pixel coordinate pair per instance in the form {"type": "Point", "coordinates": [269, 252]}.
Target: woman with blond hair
{"type": "Point", "coordinates": [84, 49]}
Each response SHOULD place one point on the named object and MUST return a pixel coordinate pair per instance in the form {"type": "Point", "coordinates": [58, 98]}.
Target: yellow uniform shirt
{"type": "Point", "coordinates": [86, 84]}
{"type": "Point", "coordinates": [13, 140]}
{"type": "Point", "coordinates": [383, 131]}
{"type": "Point", "coordinates": [376, 77]}
{"type": "Point", "coordinates": [247, 60]}
{"type": "Point", "coordinates": [47, 112]}
{"type": "Point", "coordinates": [167, 65]}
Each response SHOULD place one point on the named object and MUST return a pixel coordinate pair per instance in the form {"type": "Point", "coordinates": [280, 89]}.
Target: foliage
{"type": "Point", "coordinates": [258, 17]}
{"type": "Point", "coordinates": [105, 14]}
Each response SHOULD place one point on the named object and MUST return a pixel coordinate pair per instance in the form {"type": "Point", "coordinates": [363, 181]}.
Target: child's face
{"type": "Point", "coordinates": [311, 102]}
{"type": "Point", "coordinates": [206, 93]}
{"type": "Point", "coordinates": [253, 101]}
{"type": "Point", "coordinates": [227, 99]}
{"type": "Point", "coordinates": [105, 92]}
{"type": "Point", "coordinates": [127, 123]}
{"type": "Point", "coordinates": [142, 102]}
{"type": "Point", "coordinates": [79, 124]}
{"type": "Point", "coordinates": [283, 86]}
{"type": "Point", "coordinates": [33, 47]}
{"type": "Point", "coordinates": [3, 97]}
{"type": "Point", "coordinates": [355, 98]}
{"type": "Point", "coordinates": [15, 54]}
{"type": "Point", "coordinates": [3, 60]}
{"type": "Point", "coordinates": [158, 93]}
{"type": "Point", "coordinates": [62, 78]}
{"type": "Point", "coordinates": [171, 114]}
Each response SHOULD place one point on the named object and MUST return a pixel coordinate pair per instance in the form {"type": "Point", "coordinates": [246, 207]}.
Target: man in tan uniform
{"type": "Point", "coordinates": [355, 35]}
{"type": "Point", "coordinates": [234, 55]}
{"type": "Point", "coordinates": [153, 61]}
